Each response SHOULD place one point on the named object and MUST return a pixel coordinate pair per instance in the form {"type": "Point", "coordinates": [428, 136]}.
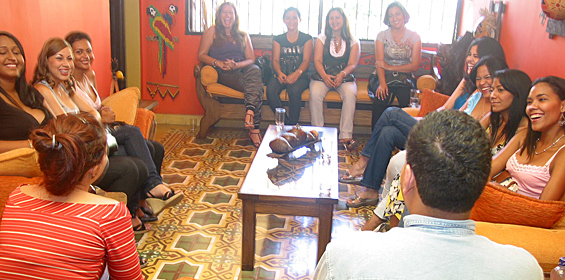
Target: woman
{"type": "Point", "coordinates": [230, 51]}
{"type": "Point", "coordinates": [57, 229]}
{"type": "Point", "coordinates": [397, 54]}
{"type": "Point", "coordinates": [292, 52]}
{"type": "Point", "coordinates": [336, 56]}
{"type": "Point", "coordinates": [509, 95]}
{"type": "Point", "coordinates": [129, 137]}
{"type": "Point", "coordinates": [22, 108]}
{"type": "Point", "coordinates": [479, 48]}
{"type": "Point", "coordinates": [532, 157]}
{"type": "Point", "coordinates": [393, 127]}
{"type": "Point", "coordinates": [50, 80]}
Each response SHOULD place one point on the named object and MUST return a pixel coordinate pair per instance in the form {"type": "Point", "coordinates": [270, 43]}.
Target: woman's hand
{"type": "Point", "coordinates": [338, 80]}
{"type": "Point", "coordinates": [292, 78]}
{"type": "Point", "coordinates": [224, 65]}
{"type": "Point", "coordinates": [232, 64]}
{"type": "Point", "coordinates": [282, 78]}
{"type": "Point", "coordinates": [107, 115]}
{"type": "Point", "coordinates": [382, 91]}
{"type": "Point", "coordinates": [329, 80]}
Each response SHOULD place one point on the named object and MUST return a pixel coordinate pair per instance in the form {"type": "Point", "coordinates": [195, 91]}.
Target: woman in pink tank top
{"type": "Point", "coordinates": [531, 157]}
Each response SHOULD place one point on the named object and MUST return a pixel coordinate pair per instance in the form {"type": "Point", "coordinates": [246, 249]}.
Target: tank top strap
{"type": "Point", "coordinates": [552, 157]}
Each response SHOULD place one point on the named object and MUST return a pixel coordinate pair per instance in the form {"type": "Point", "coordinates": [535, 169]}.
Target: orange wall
{"type": "Point", "coordinates": [525, 42]}
{"type": "Point", "coordinates": [180, 62]}
{"type": "Point", "coordinates": [34, 21]}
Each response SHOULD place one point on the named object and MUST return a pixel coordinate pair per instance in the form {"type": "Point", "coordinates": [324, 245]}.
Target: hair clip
{"type": "Point", "coordinates": [83, 120]}
{"type": "Point", "coordinates": [59, 146]}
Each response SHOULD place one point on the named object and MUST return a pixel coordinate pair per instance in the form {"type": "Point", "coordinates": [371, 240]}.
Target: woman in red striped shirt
{"type": "Point", "coordinates": [57, 229]}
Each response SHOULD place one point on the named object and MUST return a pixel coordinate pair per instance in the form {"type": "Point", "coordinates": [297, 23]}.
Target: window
{"type": "Point", "coordinates": [434, 20]}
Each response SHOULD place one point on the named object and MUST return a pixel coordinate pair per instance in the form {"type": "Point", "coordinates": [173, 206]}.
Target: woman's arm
{"type": "Point", "coordinates": [382, 90]}
{"type": "Point", "coordinates": [319, 63]}
{"type": "Point", "coordinates": [555, 189]}
{"type": "Point", "coordinates": [6, 145]}
{"type": "Point", "coordinates": [205, 44]}
{"type": "Point", "coordinates": [500, 159]}
{"type": "Point", "coordinates": [306, 58]}
{"type": "Point", "coordinates": [83, 106]}
{"type": "Point", "coordinates": [277, 62]}
{"type": "Point", "coordinates": [485, 122]}
{"type": "Point", "coordinates": [51, 100]}
{"type": "Point", "coordinates": [351, 64]}
{"type": "Point", "coordinates": [458, 92]}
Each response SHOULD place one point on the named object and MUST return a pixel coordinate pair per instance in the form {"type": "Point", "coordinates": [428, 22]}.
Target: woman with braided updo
{"type": "Point", "coordinates": [57, 229]}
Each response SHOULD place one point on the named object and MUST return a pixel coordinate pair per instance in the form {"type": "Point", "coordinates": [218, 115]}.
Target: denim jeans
{"type": "Point", "coordinates": [379, 105]}
{"type": "Point", "coordinates": [294, 92]}
{"type": "Point", "coordinates": [390, 132]}
{"type": "Point", "coordinates": [131, 143]}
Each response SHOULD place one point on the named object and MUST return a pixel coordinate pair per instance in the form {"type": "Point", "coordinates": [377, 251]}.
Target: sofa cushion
{"type": "Point", "coordinates": [430, 101]}
{"type": "Point", "coordinates": [19, 162]}
{"type": "Point", "coordinates": [124, 103]}
{"type": "Point", "coordinates": [500, 205]}
{"type": "Point", "coordinates": [546, 245]}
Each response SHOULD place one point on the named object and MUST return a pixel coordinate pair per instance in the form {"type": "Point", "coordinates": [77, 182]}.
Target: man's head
{"type": "Point", "coordinates": [448, 160]}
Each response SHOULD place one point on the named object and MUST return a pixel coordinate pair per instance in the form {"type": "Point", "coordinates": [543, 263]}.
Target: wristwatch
{"type": "Point", "coordinates": [299, 71]}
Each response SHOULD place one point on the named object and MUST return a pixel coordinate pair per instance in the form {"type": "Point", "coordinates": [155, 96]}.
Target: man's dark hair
{"type": "Point", "coordinates": [449, 154]}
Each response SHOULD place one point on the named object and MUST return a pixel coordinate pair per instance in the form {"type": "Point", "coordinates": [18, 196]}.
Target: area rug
{"type": "Point", "coordinates": [200, 238]}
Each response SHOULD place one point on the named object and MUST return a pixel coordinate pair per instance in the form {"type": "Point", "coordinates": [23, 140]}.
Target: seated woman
{"type": "Point", "coordinates": [533, 157]}
{"type": "Point", "coordinates": [292, 52]}
{"type": "Point", "coordinates": [393, 127]}
{"type": "Point", "coordinates": [397, 51]}
{"type": "Point", "coordinates": [336, 55]}
{"type": "Point", "coordinates": [230, 51]}
{"type": "Point", "coordinates": [57, 229]}
{"type": "Point", "coordinates": [53, 80]}
{"type": "Point", "coordinates": [508, 117]}
{"type": "Point", "coordinates": [130, 139]}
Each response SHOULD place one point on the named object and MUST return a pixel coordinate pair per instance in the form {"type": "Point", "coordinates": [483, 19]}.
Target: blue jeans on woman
{"type": "Point", "coordinates": [390, 132]}
{"type": "Point", "coordinates": [294, 92]}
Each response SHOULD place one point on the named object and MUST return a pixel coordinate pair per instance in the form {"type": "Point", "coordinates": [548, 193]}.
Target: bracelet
{"type": "Point", "coordinates": [215, 62]}
{"type": "Point", "coordinates": [344, 74]}
{"type": "Point", "coordinates": [299, 71]}
{"type": "Point", "coordinates": [30, 144]}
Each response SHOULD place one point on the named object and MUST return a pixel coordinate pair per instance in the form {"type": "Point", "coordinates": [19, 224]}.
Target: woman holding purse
{"type": "Point", "coordinates": [397, 54]}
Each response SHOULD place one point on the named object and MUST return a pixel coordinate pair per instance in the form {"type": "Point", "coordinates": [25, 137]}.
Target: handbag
{"type": "Point", "coordinates": [393, 79]}
{"type": "Point", "coordinates": [266, 65]}
{"type": "Point", "coordinates": [334, 71]}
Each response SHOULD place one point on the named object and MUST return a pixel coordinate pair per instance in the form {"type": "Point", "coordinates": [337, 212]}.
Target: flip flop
{"type": "Point", "coordinates": [348, 179]}
{"type": "Point", "coordinates": [362, 202]}
{"type": "Point", "coordinates": [169, 200]}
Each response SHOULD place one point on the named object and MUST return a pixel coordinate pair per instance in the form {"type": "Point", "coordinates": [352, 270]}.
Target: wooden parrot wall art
{"type": "Point", "coordinates": [161, 26]}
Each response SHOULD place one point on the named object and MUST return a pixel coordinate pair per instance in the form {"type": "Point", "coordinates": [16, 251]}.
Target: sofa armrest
{"type": "Point", "coordinates": [145, 120]}
{"type": "Point", "coordinates": [208, 75]}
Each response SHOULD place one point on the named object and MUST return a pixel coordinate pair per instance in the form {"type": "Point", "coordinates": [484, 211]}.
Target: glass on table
{"type": "Point", "coordinates": [280, 114]}
{"type": "Point", "coordinates": [414, 98]}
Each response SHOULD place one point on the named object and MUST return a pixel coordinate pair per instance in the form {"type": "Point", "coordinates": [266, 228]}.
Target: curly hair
{"type": "Point", "coordinates": [51, 47]}
{"type": "Point", "coordinates": [220, 36]}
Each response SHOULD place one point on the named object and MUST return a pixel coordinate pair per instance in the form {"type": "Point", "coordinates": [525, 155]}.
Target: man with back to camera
{"type": "Point", "coordinates": [448, 161]}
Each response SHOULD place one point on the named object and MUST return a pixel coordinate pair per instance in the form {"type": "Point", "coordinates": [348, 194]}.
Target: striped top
{"type": "Point", "coordinates": [42, 239]}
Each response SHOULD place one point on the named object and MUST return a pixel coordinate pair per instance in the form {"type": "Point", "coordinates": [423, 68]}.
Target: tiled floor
{"type": "Point", "coordinates": [200, 238]}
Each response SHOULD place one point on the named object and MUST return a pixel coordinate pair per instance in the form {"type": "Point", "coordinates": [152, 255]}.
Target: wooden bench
{"type": "Point", "coordinates": [222, 102]}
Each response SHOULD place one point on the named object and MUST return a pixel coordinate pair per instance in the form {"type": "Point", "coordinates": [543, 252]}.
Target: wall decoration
{"type": "Point", "coordinates": [554, 9]}
{"type": "Point", "coordinates": [161, 26]}
{"type": "Point", "coordinates": [171, 90]}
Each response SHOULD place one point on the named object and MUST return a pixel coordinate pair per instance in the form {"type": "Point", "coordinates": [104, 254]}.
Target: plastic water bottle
{"type": "Point", "coordinates": [559, 271]}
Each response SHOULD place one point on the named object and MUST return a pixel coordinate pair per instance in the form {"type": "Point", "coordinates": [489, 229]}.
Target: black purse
{"type": "Point", "coordinates": [334, 71]}
{"type": "Point", "coordinates": [264, 62]}
{"type": "Point", "coordinates": [393, 79]}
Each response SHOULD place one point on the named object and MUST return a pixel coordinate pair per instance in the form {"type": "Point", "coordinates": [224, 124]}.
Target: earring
{"type": "Point", "coordinates": [561, 121]}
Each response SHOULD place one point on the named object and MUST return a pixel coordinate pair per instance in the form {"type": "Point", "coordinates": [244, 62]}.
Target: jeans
{"type": "Point", "coordinates": [347, 92]}
{"type": "Point", "coordinates": [379, 106]}
{"type": "Point", "coordinates": [125, 174]}
{"type": "Point", "coordinates": [390, 132]}
{"type": "Point", "coordinates": [294, 92]}
{"type": "Point", "coordinates": [247, 80]}
{"type": "Point", "coordinates": [131, 143]}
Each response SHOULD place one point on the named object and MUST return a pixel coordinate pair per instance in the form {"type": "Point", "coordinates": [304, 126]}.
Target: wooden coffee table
{"type": "Point", "coordinates": [313, 194]}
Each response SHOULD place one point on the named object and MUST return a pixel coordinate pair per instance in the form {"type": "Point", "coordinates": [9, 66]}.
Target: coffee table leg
{"type": "Point", "coordinates": [325, 228]}
{"type": "Point", "coordinates": [248, 235]}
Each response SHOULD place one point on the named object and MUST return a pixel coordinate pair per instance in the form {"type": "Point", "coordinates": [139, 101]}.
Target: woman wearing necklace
{"type": "Point", "coordinates": [534, 155]}
{"type": "Point", "coordinates": [292, 52]}
{"type": "Point", "coordinates": [336, 56]}
{"type": "Point", "coordinates": [397, 54]}
{"type": "Point", "coordinates": [230, 51]}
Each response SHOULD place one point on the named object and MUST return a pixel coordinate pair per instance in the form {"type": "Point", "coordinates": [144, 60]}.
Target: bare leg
{"type": "Point", "coordinates": [372, 223]}
{"type": "Point", "coordinates": [359, 167]}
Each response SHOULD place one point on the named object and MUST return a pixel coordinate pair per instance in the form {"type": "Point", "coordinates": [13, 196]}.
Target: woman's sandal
{"type": "Point", "coordinates": [248, 123]}
{"type": "Point", "coordinates": [348, 179]}
{"type": "Point", "coordinates": [147, 210]}
{"type": "Point", "coordinates": [170, 199]}
{"type": "Point", "coordinates": [348, 145]}
{"type": "Point", "coordinates": [359, 201]}
{"type": "Point", "coordinates": [141, 228]}
{"type": "Point", "coordinates": [255, 143]}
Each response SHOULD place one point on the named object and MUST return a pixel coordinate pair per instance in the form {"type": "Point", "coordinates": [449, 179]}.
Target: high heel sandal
{"type": "Point", "coordinates": [170, 199]}
{"type": "Point", "coordinates": [249, 124]}
{"type": "Point", "coordinates": [256, 144]}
